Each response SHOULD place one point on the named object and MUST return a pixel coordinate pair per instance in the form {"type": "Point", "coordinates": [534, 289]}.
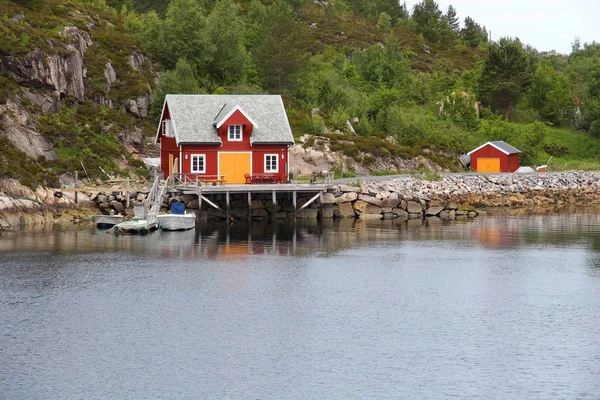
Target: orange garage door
{"type": "Point", "coordinates": [486, 164]}
{"type": "Point", "coordinates": [234, 166]}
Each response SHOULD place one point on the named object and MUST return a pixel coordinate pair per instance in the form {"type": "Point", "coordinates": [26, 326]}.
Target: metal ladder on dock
{"type": "Point", "coordinates": [155, 197]}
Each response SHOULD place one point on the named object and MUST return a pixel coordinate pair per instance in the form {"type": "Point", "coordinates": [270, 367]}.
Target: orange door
{"type": "Point", "coordinates": [234, 165]}
{"type": "Point", "coordinates": [486, 164]}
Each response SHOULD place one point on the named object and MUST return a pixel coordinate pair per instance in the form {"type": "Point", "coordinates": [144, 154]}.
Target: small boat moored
{"type": "Point", "coordinates": [142, 223]}
{"type": "Point", "coordinates": [178, 219]}
{"type": "Point", "coordinates": [136, 225]}
{"type": "Point", "coordinates": [107, 221]}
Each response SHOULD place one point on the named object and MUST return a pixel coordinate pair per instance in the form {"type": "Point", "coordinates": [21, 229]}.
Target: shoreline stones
{"type": "Point", "coordinates": [452, 197]}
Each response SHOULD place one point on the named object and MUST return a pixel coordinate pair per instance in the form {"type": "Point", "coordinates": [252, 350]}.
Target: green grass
{"type": "Point", "coordinates": [583, 150]}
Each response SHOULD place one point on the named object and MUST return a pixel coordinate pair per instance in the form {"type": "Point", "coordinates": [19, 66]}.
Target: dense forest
{"type": "Point", "coordinates": [374, 77]}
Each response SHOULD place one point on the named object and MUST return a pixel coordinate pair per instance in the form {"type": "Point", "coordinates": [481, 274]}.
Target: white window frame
{"type": "Point", "coordinates": [276, 158]}
{"type": "Point", "coordinates": [168, 128]}
{"type": "Point", "coordinates": [198, 156]}
{"type": "Point", "coordinates": [231, 133]}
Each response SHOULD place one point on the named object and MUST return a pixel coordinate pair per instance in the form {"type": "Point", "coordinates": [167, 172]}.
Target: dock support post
{"type": "Point", "coordinates": [227, 199]}
{"type": "Point", "coordinates": [294, 200]}
{"type": "Point", "coordinates": [249, 200]}
{"type": "Point", "coordinates": [199, 198]}
{"type": "Point", "coordinates": [274, 197]}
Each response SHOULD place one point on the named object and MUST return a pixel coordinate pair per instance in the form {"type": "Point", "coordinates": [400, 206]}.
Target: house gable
{"type": "Point", "coordinates": [227, 112]}
{"type": "Point", "coordinates": [498, 145]}
{"type": "Point", "coordinates": [238, 120]}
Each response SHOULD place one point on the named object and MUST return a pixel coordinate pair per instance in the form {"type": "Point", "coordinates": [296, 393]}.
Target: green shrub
{"type": "Point", "coordinates": [313, 125]}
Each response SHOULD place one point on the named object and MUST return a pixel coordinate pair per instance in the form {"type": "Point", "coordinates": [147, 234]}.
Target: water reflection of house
{"type": "Point", "coordinates": [496, 235]}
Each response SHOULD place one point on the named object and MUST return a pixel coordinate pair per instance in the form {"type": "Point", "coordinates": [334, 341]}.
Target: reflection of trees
{"type": "Point", "coordinates": [320, 237]}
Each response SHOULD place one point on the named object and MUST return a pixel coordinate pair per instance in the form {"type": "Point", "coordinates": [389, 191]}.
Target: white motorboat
{"type": "Point", "coordinates": [178, 219]}
{"type": "Point", "coordinates": [107, 221]}
{"type": "Point", "coordinates": [177, 222]}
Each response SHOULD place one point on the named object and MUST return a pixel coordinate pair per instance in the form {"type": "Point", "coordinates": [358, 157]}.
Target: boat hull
{"type": "Point", "coordinates": [137, 226]}
{"type": "Point", "coordinates": [107, 221]}
{"type": "Point", "coordinates": [176, 222]}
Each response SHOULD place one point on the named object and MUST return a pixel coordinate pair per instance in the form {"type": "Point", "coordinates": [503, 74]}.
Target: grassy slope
{"type": "Point", "coordinates": [85, 131]}
{"type": "Point", "coordinates": [351, 32]}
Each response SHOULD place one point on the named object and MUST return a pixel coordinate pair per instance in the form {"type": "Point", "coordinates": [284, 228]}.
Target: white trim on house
{"type": "Point", "coordinates": [494, 146]}
{"type": "Point", "coordinates": [266, 163]}
{"type": "Point", "coordinates": [199, 156]}
{"type": "Point", "coordinates": [160, 124]}
{"type": "Point", "coordinates": [230, 113]}
{"type": "Point", "coordinates": [491, 144]}
{"type": "Point", "coordinates": [173, 126]}
{"type": "Point", "coordinates": [241, 132]}
{"type": "Point", "coordinates": [167, 126]}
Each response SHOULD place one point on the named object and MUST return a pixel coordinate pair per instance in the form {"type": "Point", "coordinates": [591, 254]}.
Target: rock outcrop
{"type": "Point", "coordinates": [319, 157]}
{"type": "Point", "coordinates": [47, 77]}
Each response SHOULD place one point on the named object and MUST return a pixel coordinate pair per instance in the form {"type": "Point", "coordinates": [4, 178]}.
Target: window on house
{"type": "Point", "coordinates": [167, 128]}
{"type": "Point", "coordinates": [198, 163]}
{"type": "Point", "coordinates": [271, 163]}
{"type": "Point", "coordinates": [235, 133]}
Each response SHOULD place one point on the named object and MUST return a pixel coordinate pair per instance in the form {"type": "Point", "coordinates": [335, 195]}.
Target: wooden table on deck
{"type": "Point", "coordinates": [214, 179]}
{"type": "Point", "coordinates": [261, 178]}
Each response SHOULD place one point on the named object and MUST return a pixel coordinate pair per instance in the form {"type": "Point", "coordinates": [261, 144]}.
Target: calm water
{"type": "Point", "coordinates": [497, 308]}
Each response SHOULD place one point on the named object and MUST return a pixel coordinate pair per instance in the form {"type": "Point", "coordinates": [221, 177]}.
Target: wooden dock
{"type": "Point", "coordinates": [292, 189]}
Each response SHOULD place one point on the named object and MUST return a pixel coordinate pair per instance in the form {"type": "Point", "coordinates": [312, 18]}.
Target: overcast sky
{"type": "Point", "coordinates": [544, 24]}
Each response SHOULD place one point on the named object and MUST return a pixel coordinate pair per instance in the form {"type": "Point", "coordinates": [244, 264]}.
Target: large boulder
{"type": "Point", "coordinates": [346, 210]}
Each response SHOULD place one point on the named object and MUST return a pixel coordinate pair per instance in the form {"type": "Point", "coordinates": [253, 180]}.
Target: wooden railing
{"type": "Point", "coordinates": [198, 180]}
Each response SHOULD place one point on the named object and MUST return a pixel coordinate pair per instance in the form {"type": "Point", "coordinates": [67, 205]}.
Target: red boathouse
{"type": "Point", "coordinates": [229, 138]}
{"type": "Point", "coordinates": [495, 156]}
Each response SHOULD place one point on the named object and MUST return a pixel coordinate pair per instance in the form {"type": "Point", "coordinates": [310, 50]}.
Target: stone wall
{"type": "Point", "coordinates": [340, 201]}
{"type": "Point", "coordinates": [452, 196]}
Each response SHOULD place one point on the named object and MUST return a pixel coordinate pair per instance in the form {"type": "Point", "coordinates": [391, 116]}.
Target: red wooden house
{"type": "Point", "coordinates": [494, 157]}
{"type": "Point", "coordinates": [228, 137]}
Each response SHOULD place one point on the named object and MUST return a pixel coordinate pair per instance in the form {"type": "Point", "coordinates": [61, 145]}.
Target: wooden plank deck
{"type": "Point", "coordinates": [254, 188]}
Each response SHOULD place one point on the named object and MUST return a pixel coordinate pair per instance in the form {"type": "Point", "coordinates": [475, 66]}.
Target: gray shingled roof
{"type": "Point", "coordinates": [500, 145]}
{"type": "Point", "coordinates": [194, 117]}
{"type": "Point", "coordinates": [507, 148]}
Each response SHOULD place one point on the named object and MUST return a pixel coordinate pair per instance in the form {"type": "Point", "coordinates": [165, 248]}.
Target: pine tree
{"type": "Point", "coordinates": [473, 34]}
{"type": "Point", "coordinates": [428, 18]}
{"type": "Point", "coordinates": [281, 51]}
{"type": "Point", "coordinates": [452, 19]}
{"type": "Point", "coordinates": [504, 75]}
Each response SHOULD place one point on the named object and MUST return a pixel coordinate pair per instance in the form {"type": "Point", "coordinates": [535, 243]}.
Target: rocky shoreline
{"type": "Point", "coordinates": [452, 196]}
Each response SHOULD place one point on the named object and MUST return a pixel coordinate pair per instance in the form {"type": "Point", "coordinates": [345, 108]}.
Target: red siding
{"type": "Point", "coordinates": [167, 146]}
{"type": "Point", "coordinates": [508, 163]}
{"type": "Point", "coordinates": [166, 114]}
{"type": "Point", "coordinates": [513, 162]}
{"type": "Point", "coordinates": [211, 158]}
{"type": "Point", "coordinates": [258, 159]}
{"type": "Point", "coordinates": [237, 118]}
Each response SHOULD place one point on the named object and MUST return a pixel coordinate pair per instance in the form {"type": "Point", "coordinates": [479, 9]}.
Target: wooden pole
{"type": "Point", "coordinates": [75, 185]}
{"type": "Point", "coordinates": [127, 194]}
